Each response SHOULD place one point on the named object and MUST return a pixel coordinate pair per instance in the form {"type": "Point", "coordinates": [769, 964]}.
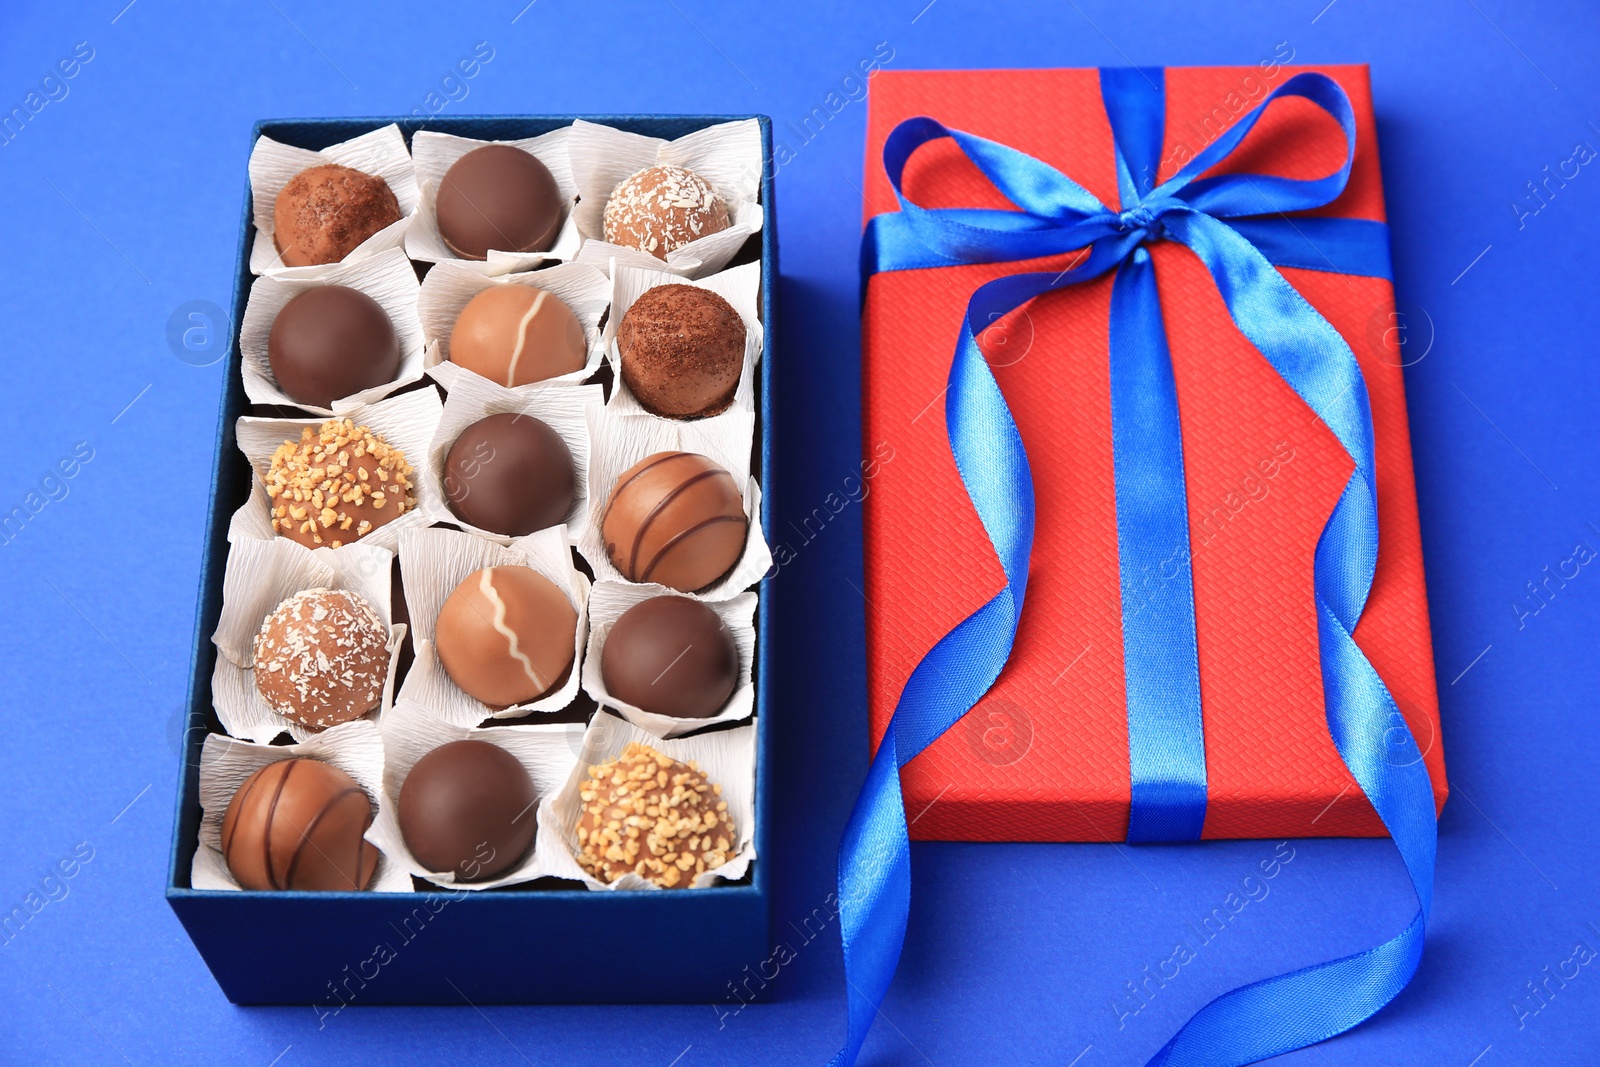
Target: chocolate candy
{"type": "Point", "coordinates": [675, 518]}
{"type": "Point", "coordinates": [467, 808]}
{"type": "Point", "coordinates": [665, 831]}
{"type": "Point", "coordinates": [516, 335]}
{"type": "Point", "coordinates": [510, 474]}
{"type": "Point", "coordinates": [337, 484]}
{"type": "Point", "coordinates": [330, 342]}
{"type": "Point", "coordinates": [297, 824]}
{"type": "Point", "coordinates": [682, 350]}
{"type": "Point", "coordinates": [498, 197]}
{"type": "Point", "coordinates": [321, 658]}
{"type": "Point", "coordinates": [672, 656]}
{"type": "Point", "coordinates": [507, 635]}
{"type": "Point", "coordinates": [663, 208]}
{"type": "Point", "coordinates": [323, 213]}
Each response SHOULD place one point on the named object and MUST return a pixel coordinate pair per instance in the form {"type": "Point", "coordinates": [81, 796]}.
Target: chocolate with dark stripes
{"type": "Point", "coordinates": [675, 518]}
{"type": "Point", "coordinates": [298, 824]}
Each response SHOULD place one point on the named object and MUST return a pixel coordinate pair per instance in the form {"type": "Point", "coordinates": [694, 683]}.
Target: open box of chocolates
{"type": "Point", "coordinates": [477, 691]}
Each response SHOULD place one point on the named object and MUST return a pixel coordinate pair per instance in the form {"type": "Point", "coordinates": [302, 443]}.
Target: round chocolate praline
{"type": "Point", "coordinates": [675, 518]}
{"type": "Point", "coordinates": [330, 342]}
{"type": "Point", "coordinates": [298, 824]}
{"type": "Point", "coordinates": [507, 636]}
{"type": "Point", "coordinates": [672, 656]}
{"type": "Point", "coordinates": [467, 808]}
{"type": "Point", "coordinates": [682, 351]}
{"type": "Point", "coordinates": [510, 474]}
{"type": "Point", "coordinates": [498, 197]}
{"type": "Point", "coordinates": [321, 658]}
{"type": "Point", "coordinates": [516, 335]}
{"type": "Point", "coordinates": [662, 208]}
{"type": "Point", "coordinates": [323, 213]}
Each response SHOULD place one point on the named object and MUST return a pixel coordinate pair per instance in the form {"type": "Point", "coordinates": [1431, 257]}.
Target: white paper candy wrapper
{"type": "Point", "coordinates": [260, 576]}
{"type": "Point", "coordinates": [435, 153]}
{"type": "Point", "coordinates": [727, 156]}
{"type": "Point", "coordinates": [740, 286]}
{"type": "Point", "coordinates": [562, 408]}
{"type": "Point", "coordinates": [608, 601]}
{"type": "Point", "coordinates": [406, 422]}
{"type": "Point", "coordinates": [386, 276]}
{"type": "Point", "coordinates": [225, 762]}
{"type": "Point", "coordinates": [617, 442]}
{"type": "Point", "coordinates": [432, 564]}
{"type": "Point", "coordinates": [547, 751]}
{"type": "Point", "coordinates": [381, 153]}
{"type": "Point", "coordinates": [726, 757]}
{"type": "Point", "coordinates": [450, 285]}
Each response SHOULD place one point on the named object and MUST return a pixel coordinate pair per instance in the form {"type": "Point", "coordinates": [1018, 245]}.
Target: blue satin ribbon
{"type": "Point", "coordinates": [1238, 227]}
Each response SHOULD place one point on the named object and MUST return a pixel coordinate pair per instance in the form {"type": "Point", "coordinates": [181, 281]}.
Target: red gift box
{"type": "Point", "coordinates": [1044, 755]}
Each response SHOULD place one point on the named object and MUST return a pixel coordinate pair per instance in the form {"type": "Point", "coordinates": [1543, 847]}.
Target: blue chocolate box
{"type": "Point", "coordinates": [544, 943]}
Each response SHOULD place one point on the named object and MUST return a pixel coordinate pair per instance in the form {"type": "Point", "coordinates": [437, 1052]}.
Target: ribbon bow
{"type": "Point", "coordinates": [1237, 226]}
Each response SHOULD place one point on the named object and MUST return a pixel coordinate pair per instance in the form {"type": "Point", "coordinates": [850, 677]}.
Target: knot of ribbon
{"type": "Point", "coordinates": [1239, 227]}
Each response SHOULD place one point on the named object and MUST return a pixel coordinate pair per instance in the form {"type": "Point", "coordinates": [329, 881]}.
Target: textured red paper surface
{"type": "Point", "coordinates": [1044, 756]}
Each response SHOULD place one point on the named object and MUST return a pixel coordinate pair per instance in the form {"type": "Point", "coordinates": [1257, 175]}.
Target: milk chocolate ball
{"type": "Point", "coordinates": [298, 824]}
{"type": "Point", "coordinates": [468, 808]}
{"type": "Point", "coordinates": [498, 197]}
{"type": "Point", "coordinates": [517, 335]}
{"type": "Point", "coordinates": [510, 474]}
{"type": "Point", "coordinates": [645, 813]}
{"type": "Point", "coordinates": [682, 350]}
{"type": "Point", "coordinates": [321, 658]}
{"type": "Point", "coordinates": [323, 213]}
{"type": "Point", "coordinates": [672, 656]}
{"type": "Point", "coordinates": [330, 342]}
{"type": "Point", "coordinates": [337, 484]}
{"type": "Point", "coordinates": [675, 518]}
{"type": "Point", "coordinates": [507, 636]}
{"type": "Point", "coordinates": [663, 208]}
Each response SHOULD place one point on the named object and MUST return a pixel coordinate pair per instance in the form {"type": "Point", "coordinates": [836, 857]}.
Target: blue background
{"type": "Point", "coordinates": [120, 204]}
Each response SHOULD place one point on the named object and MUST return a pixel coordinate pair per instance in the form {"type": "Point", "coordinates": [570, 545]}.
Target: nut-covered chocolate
{"type": "Point", "coordinates": [682, 351]}
{"type": "Point", "coordinates": [298, 824]}
{"type": "Point", "coordinates": [321, 658]}
{"type": "Point", "coordinates": [323, 213]}
{"type": "Point", "coordinates": [672, 656]}
{"type": "Point", "coordinates": [467, 808]}
{"type": "Point", "coordinates": [507, 635]}
{"type": "Point", "coordinates": [510, 474]}
{"type": "Point", "coordinates": [517, 335]}
{"type": "Point", "coordinates": [663, 208]}
{"type": "Point", "coordinates": [330, 342]}
{"type": "Point", "coordinates": [645, 813]}
{"type": "Point", "coordinates": [337, 484]}
{"type": "Point", "coordinates": [675, 518]}
{"type": "Point", "coordinates": [498, 197]}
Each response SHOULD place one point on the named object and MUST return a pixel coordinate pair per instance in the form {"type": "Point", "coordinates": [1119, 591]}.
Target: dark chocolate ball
{"type": "Point", "coordinates": [510, 474]}
{"type": "Point", "coordinates": [329, 342]}
{"type": "Point", "coordinates": [468, 808]}
{"type": "Point", "coordinates": [498, 197]}
{"type": "Point", "coordinates": [672, 656]}
{"type": "Point", "coordinates": [675, 518]}
{"type": "Point", "coordinates": [298, 824]}
{"type": "Point", "coordinates": [682, 350]}
{"type": "Point", "coordinates": [323, 213]}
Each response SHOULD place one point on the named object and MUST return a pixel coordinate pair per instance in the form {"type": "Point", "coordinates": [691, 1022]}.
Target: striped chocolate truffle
{"type": "Point", "coordinates": [507, 635]}
{"type": "Point", "coordinates": [298, 824]}
{"type": "Point", "coordinates": [663, 208]}
{"type": "Point", "coordinates": [516, 335]}
{"type": "Point", "coordinates": [675, 518]}
{"type": "Point", "coordinates": [321, 658]}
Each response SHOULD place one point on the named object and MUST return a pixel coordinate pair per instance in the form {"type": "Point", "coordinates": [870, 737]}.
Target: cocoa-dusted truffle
{"type": "Point", "coordinates": [507, 635]}
{"type": "Point", "coordinates": [682, 350]}
{"type": "Point", "coordinates": [321, 658]}
{"type": "Point", "coordinates": [672, 656]}
{"type": "Point", "coordinates": [510, 474]}
{"type": "Point", "coordinates": [650, 815]}
{"type": "Point", "coordinates": [337, 484]}
{"type": "Point", "coordinates": [498, 197]}
{"type": "Point", "coordinates": [517, 335]}
{"type": "Point", "coordinates": [298, 824]}
{"type": "Point", "coordinates": [323, 213]}
{"type": "Point", "coordinates": [467, 808]}
{"type": "Point", "coordinates": [330, 342]}
{"type": "Point", "coordinates": [662, 208]}
{"type": "Point", "coordinates": [675, 518]}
